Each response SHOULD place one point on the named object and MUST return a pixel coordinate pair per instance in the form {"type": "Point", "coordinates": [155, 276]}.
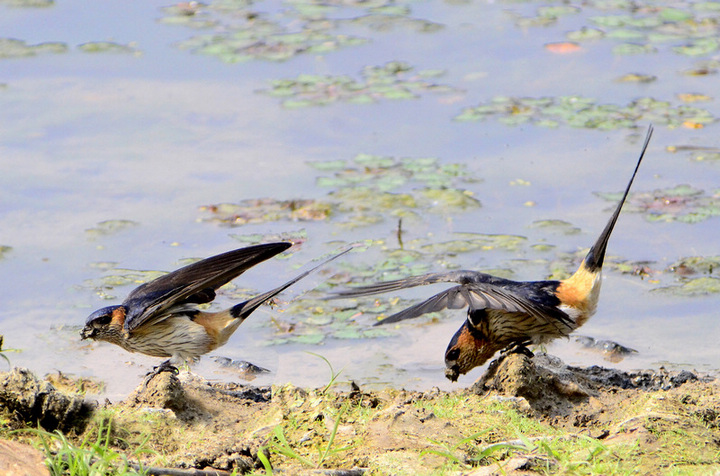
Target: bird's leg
{"type": "Point", "coordinates": [166, 366]}
{"type": "Point", "coordinates": [518, 347]}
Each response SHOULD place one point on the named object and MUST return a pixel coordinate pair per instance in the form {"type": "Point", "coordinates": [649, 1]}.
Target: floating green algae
{"type": "Point", "coordinates": [264, 210]}
{"type": "Point", "coordinates": [241, 31]}
{"type": "Point", "coordinates": [13, 48]}
{"type": "Point", "coordinates": [394, 80]}
{"type": "Point", "coordinates": [682, 203]}
{"type": "Point", "coordinates": [119, 277]}
{"type": "Point", "coordinates": [559, 226]}
{"type": "Point", "coordinates": [385, 21]}
{"type": "Point", "coordinates": [689, 287]}
{"type": "Point", "coordinates": [312, 321]}
{"type": "Point", "coordinates": [696, 265]}
{"type": "Point", "coordinates": [4, 251]}
{"type": "Point", "coordinates": [247, 30]}
{"type": "Point", "coordinates": [686, 28]}
{"type": "Point", "coordinates": [106, 47]}
{"type": "Point", "coordinates": [467, 242]}
{"type": "Point", "coordinates": [363, 191]}
{"type": "Point", "coordinates": [579, 111]}
{"type": "Point", "coordinates": [109, 227]}
{"type": "Point", "coordinates": [28, 3]}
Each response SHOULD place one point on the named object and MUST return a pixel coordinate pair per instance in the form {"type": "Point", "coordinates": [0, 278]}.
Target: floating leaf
{"type": "Point", "coordinates": [120, 277]}
{"type": "Point", "coordinates": [696, 265]}
{"type": "Point", "coordinates": [578, 111]}
{"type": "Point", "coordinates": [29, 3]}
{"type": "Point", "coordinates": [385, 22]}
{"type": "Point", "coordinates": [444, 198]}
{"type": "Point", "coordinates": [702, 46]}
{"type": "Point", "coordinates": [109, 227]}
{"type": "Point", "coordinates": [467, 242]}
{"type": "Point", "coordinates": [690, 29]}
{"type": "Point", "coordinates": [585, 34]}
{"type": "Point", "coordinates": [693, 287]}
{"type": "Point", "coordinates": [105, 47]}
{"type": "Point", "coordinates": [12, 48]}
{"type": "Point", "coordinates": [4, 250]}
{"type": "Point", "coordinates": [267, 209]}
{"type": "Point", "coordinates": [694, 97]}
{"type": "Point", "coordinates": [633, 49]}
{"type": "Point", "coordinates": [675, 15]}
{"type": "Point", "coordinates": [637, 78]}
{"type": "Point", "coordinates": [393, 81]}
{"type": "Point", "coordinates": [560, 226]}
{"type": "Point", "coordinates": [682, 203]}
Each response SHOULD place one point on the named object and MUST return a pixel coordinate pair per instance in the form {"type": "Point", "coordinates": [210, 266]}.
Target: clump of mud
{"type": "Point", "coordinates": [553, 388]}
{"type": "Point", "coordinates": [213, 415]}
{"type": "Point", "coordinates": [39, 402]}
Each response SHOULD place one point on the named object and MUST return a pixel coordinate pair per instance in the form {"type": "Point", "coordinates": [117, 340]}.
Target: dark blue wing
{"type": "Point", "coordinates": [195, 283]}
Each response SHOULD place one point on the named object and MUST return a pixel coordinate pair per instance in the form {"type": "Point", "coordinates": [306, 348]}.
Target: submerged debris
{"type": "Point", "coordinates": [611, 351]}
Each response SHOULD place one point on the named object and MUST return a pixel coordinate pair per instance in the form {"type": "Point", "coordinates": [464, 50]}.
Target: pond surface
{"type": "Point", "coordinates": [126, 125]}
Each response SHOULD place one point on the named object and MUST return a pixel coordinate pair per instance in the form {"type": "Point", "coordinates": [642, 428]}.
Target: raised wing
{"type": "Point", "coordinates": [479, 295]}
{"type": "Point", "coordinates": [460, 277]}
{"type": "Point", "coordinates": [193, 283]}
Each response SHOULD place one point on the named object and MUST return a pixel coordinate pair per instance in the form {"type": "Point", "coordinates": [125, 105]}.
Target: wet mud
{"type": "Point", "coordinates": [526, 415]}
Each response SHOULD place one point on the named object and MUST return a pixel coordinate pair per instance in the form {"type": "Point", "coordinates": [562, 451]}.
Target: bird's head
{"type": "Point", "coordinates": [104, 324]}
{"type": "Point", "coordinates": [467, 349]}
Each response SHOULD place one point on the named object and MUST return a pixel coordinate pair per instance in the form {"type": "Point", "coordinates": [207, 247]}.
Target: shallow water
{"type": "Point", "coordinates": [150, 137]}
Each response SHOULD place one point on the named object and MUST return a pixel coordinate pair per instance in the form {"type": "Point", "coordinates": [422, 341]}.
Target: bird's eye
{"type": "Point", "coordinates": [453, 354]}
{"type": "Point", "coordinates": [103, 320]}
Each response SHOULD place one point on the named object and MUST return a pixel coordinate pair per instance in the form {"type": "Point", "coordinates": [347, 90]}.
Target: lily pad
{"type": "Point", "coordinates": [4, 250]}
{"type": "Point", "coordinates": [297, 237]}
{"type": "Point", "coordinates": [12, 48]}
{"type": "Point", "coordinates": [389, 22]}
{"type": "Point", "coordinates": [106, 47]}
{"type": "Point", "coordinates": [467, 242]}
{"type": "Point", "coordinates": [693, 287]}
{"type": "Point", "coordinates": [696, 265]}
{"type": "Point", "coordinates": [687, 28]}
{"type": "Point", "coordinates": [109, 227]}
{"type": "Point", "coordinates": [578, 111]}
{"type": "Point", "coordinates": [28, 3]}
{"type": "Point", "coordinates": [637, 78]}
{"type": "Point", "coordinates": [267, 210]}
{"type": "Point", "coordinates": [120, 277]}
{"type": "Point", "coordinates": [682, 203]}
{"type": "Point", "coordinates": [559, 226]}
{"type": "Point", "coordinates": [393, 81]}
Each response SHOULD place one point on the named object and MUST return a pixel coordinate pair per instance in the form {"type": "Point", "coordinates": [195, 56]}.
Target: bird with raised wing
{"type": "Point", "coordinates": [161, 318]}
{"type": "Point", "coordinates": [504, 314]}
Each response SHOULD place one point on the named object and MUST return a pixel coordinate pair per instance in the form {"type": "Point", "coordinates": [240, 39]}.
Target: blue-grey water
{"type": "Point", "coordinates": [151, 136]}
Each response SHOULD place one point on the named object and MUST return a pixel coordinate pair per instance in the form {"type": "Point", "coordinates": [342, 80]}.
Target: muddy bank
{"type": "Point", "coordinates": [524, 416]}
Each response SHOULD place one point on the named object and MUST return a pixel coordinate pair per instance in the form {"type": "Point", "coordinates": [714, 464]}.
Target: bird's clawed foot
{"type": "Point", "coordinates": [518, 348]}
{"type": "Point", "coordinates": [163, 367]}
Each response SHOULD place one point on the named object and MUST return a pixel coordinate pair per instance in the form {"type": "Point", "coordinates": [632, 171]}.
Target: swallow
{"type": "Point", "coordinates": [161, 318]}
{"type": "Point", "coordinates": [506, 315]}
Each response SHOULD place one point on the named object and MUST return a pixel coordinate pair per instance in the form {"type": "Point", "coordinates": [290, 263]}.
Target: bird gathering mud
{"type": "Point", "coordinates": [524, 416]}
